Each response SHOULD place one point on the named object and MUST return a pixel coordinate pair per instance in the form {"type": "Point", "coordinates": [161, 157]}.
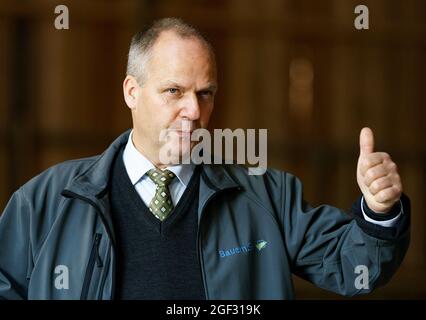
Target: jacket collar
{"type": "Point", "coordinates": [213, 180]}
{"type": "Point", "coordinates": [93, 182]}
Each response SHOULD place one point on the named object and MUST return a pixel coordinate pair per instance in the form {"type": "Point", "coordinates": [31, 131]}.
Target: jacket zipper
{"type": "Point", "coordinates": [98, 256]}
{"type": "Point", "coordinates": [200, 256]}
{"type": "Point", "coordinates": [105, 274]}
{"type": "Point", "coordinates": [201, 262]}
{"type": "Point", "coordinates": [70, 194]}
{"type": "Point", "coordinates": [94, 258]}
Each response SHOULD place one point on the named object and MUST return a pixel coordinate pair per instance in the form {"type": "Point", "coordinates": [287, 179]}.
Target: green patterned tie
{"type": "Point", "coordinates": [161, 204]}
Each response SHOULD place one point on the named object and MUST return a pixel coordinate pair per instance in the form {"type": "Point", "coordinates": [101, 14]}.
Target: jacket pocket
{"type": "Point", "coordinates": [94, 259]}
{"type": "Point", "coordinates": [105, 275]}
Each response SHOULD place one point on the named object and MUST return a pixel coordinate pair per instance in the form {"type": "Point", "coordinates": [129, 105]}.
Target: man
{"type": "Point", "coordinates": [125, 225]}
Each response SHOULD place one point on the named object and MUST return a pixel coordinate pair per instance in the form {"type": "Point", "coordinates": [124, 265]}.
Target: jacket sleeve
{"type": "Point", "coordinates": [14, 248]}
{"type": "Point", "coordinates": [337, 251]}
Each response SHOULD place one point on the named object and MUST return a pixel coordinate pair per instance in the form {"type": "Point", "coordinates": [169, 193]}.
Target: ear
{"type": "Point", "coordinates": [131, 91]}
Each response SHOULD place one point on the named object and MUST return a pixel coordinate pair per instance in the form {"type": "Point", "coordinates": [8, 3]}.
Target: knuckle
{"type": "Point", "coordinates": [369, 175]}
{"type": "Point", "coordinates": [381, 169]}
{"type": "Point", "coordinates": [383, 195]}
{"type": "Point", "coordinates": [398, 189]}
{"type": "Point", "coordinates": [375, 186]}
{"type": "Point", "coordinates": [379, 197]}
{"type": "Point", "coordinates": [393, 166]}
{"type": "Point", "coordinates": [386, 194]}
{"type": "Point", "coordinates": [395, 177]}
{"type": "Point", "coordinates": [394, 192]}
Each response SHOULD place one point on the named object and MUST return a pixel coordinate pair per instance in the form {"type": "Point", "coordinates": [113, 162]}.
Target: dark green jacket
{"type": "Point", "coordinates": [57, 239]}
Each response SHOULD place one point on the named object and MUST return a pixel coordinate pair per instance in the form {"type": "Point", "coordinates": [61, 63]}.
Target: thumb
{"type": "Point", "coordinates": [366, 141]}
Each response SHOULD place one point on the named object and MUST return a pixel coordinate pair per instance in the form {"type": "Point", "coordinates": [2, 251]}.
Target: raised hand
{"type": "Point", "coordinates": [377, 175]}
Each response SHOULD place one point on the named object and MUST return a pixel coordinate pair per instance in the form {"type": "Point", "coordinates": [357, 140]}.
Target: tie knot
{"type": "Point", "coordinates": [161, 177]}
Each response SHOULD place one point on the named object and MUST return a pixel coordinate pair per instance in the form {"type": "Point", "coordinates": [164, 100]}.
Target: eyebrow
{"type": "Point", "coordinates": [172, 83]}
{"type": "Point", "coordinates": [210, 87]}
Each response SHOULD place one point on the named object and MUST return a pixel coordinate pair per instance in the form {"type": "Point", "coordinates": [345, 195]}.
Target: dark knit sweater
{"type": "Point", "coordinates": [156, 260]}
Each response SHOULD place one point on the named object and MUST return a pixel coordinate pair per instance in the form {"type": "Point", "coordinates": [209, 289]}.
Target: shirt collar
{"type": "Point", "coordinates": [137, 165]}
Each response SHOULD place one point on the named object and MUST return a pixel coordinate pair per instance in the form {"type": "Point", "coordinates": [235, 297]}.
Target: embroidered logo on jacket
{"type": "Point", "coordinates": [261, 244]}
{"type": "Point", "coordinates": [255, 245]}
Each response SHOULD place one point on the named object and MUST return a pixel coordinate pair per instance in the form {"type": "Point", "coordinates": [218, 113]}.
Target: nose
{"type": "Point", "coordinates": [191, 108]}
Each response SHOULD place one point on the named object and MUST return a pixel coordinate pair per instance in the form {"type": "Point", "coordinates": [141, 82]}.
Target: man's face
{"type": "Point", "coordinates": [176, 96]}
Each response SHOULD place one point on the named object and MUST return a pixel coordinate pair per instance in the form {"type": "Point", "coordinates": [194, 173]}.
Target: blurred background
{"type": "Point", "coordinates": [296, 67]}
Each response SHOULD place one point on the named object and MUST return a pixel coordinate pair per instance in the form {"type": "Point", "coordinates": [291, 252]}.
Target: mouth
{"type": "Point", "coordinates": [182, 133]}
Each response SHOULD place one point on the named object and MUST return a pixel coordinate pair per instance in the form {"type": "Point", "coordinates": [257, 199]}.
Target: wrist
{"type": "Point", "coordinates": [391, 212]}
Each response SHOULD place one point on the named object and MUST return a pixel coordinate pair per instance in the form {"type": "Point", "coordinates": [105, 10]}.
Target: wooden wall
{"type": "Point", "coordinates": [295, 67]}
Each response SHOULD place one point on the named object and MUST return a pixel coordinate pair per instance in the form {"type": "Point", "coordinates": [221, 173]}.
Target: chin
{"type": "Point", "coordinates": [176, 151]}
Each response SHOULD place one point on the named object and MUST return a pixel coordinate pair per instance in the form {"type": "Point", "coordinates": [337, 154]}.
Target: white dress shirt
{"type": "Point", "coordinates": [384, 223]}
{"type": "Point", "coordinates": [138, 165]}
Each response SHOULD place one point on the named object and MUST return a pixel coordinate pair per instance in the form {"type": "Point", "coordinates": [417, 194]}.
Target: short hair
{"type": "Point", "coordinates": [143, 41]}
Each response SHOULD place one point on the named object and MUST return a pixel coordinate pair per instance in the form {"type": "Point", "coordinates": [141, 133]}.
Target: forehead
{"type": "Point", "coordinates": [177, 57]}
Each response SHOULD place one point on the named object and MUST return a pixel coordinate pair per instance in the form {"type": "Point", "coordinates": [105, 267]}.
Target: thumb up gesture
{"type": "Point", "coordinates": [377, 175]}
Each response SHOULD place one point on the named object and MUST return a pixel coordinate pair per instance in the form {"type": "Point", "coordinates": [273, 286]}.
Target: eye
{"type": "Point", "coordinates": [205, 93]}
{"type": "Point", "coordinates": [173, 90]}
